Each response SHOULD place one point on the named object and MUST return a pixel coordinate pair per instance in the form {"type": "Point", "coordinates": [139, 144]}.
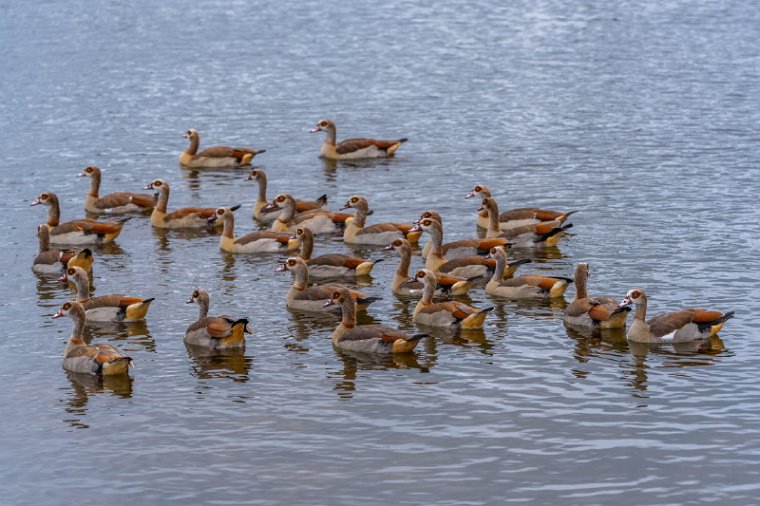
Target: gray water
{"type": "Point", "coordinates": [642, 115]}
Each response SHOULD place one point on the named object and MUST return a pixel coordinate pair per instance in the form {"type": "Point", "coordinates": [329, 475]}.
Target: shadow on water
{"type": "Point", "coordinates": [345, 379]}
{"type": "Point", "coordinates": [210, 364]}
{"type": "Point", "coordinates": [83, 386]}
{"type": "Point", "coordinates": [133, 336]}
{"type": "Point", "coordinates": [164, 236]}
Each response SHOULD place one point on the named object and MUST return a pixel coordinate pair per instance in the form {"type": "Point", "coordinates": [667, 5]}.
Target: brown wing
{"type": "Point", "coordinates": [225, 152]}
{"type": "Point", "coordinates": [119, 199]}
{"type": "Point", "coordinates": [520, 213]}
{"type": "Point", "coordinates": [281, 237]}
{"type": "Point", "coordinates": [706, 315]}
{"type": "Point", "coordinates": [545, 282]}
{"type": "Point", "coordinates": [337, 260]}
{"type": "Point", "coordinates": [578, 307]}
{"type": "Point", "coordinates": [351, 145]}
{"type": "Point", "coordinates": [101, 353]}
{"type": "Point", "coordinates": [203, 212]}
{"type": "Point", "coordinates": [478, 244]}
{"type": "Point", "coordinates": [88, 227]}
{"type": "Point", "coordinates": [113, 300]}
{"type": "Point", "coordinates": [309, 205]}
{"type": "Point", "coordinates": [364, 332]}
{"type": "Point", "coordinates": [380, 227]}
{"type": "Point", "coordinates": [444, 280]}
{"type": "Point", "coordinates": [468, 260]}
{"type": "Point", "coordinates": [547, 215]}
{"type": "Point", "coordinates": [666, 323]}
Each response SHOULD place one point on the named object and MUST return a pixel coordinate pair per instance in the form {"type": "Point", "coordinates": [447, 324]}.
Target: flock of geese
{"type": "Point", "coordinates": [450, 269]}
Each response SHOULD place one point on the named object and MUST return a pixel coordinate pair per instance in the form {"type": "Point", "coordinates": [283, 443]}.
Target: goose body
{"type": "Point", "coordinates": [379, 234]}
{"type": "Point", "coordinates": [262, 241]}
{"type": "Point", "coordinates": [220, 157]}
{"type": "Point", "coordinates": [54, 261]}
{"type": "Point", "coordinates": [366, 338]}
{"type": "Point", "coordinates": [593, 312]}
{"type": "Point", "coordinates": [517, 217]}
{"type": "Point", "coordinates": [260, 176]}
{"type": "Point", "coordinates": [320, 221]}
{"type": "Point", "coordinates": [186, 217]}
{"type": "Point", "coordinates": [312, 299]}
{"type": "Point", "coordinates": [447, 285]}
{"type": "Point", "coordinates": [542, 234]}
{"type": "Point", "coordinates": [89, 358]}
{"type": "Point", "coordinates": [106, 308]}
{"type": "Point", "coordinates": [113, 203]}
{"type": "Point", "coordinates": [331, 265]}
{"type": "Point", "coordinates": [353, 149]}
{"type": "Point", "coordinates": [673, 327]}
{"type": "Point", "coordinates": [503, 284]}
{"type": "Point", "coordinates": [77, 231]}
{"type": "Point", "coordinates": [445, 314]}
{"type": "Point", "coordinates": [215, 332]}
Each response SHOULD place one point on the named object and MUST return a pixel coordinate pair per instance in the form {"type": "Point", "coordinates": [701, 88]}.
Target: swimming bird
{"type": "Point", "coordinates": [367, 338]}
{"type": "Point", "coordinates": [674, 327]}
{"type": "Point", "coordinates": [312, 298]}
{"type": "Point", "coordinates": [260, 241]}
{"type": "Point", "coordinates": [89, 358]}
{"type": "Point", "coordinates": [379, 234]}
{"type": "Point", "coordinates": [330, 265]}
{"type": "Point", "coordinates": [215, 332]}
{"type": "Point", "coordinates": [113, 203]}
{"type": "Point", "coordinates": [54, 261]}
{"type": "Point", "coordinates": [445, 314]}
{"type": "Point", "coordinates": [186, 217]}
{"type": "Point", "coordinates": [545, 233]}
{"type": "Point", "coordinates": [220, 157]}
{"type": "Point", "coordinates": [526, 286]}
{"type": "Point", "coordinates": [106, 308]}
{"type": "Point", "coordinates": [353, 149]}
{"type": "Point", "coordinates": [260, 176]}
{"type": "Point", "coordinates": [83, 231]}
{"type": "Point", "coordinates": [594, 312]}
{"type": "Point", "coordinates": [515, 217]}
{"type": "Point", "coordinates": [320, 221]}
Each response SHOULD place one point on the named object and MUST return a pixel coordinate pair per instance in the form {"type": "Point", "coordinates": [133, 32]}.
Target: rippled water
{"type": "Point", "coordinates": [644, 116]}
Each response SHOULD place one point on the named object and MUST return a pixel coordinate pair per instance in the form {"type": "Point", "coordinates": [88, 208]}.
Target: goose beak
{"type": "Point", "coordinates": [63, 278]}
{"type": "Point", "coordinates": [389, 247]}
{"type": "Point", "coordinates": [328, 303]}
{"type": "Point", "coordinates": [281, 268]}
{"type": "Point", "coordinates": [470, 195]}
{"type": "Point", "coordinates": [189, 301]}
{"type": "Point", "coordinates": [35, 202]}
{"type": "Point", "coordinates": [626, 302]}
{"type": "Point", "coordinates": [81, 174]}
{"type": "Point", "coordinates": [59, 314]}
{"type": "Point", "coordinates": [417, 227]}
{"type": "Point", "coordinates": [148, 187]}
{"type": "Point", "coordinates": [410, 281]}
{"type": "Point", "coordinates": [345, 206]}
{"type": "Point", "coordinates": [315, 130]}
{"type": "Point", "coordinates": [269, 206]}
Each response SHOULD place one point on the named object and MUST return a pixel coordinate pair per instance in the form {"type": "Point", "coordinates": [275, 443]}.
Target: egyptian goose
{"type": "Point", "coordinates": [331, 265]}
{"type": "Point", "coordinates": [439, 253]}
{"type": "Point", "coordinates": [445, 314]}
{"type": "Point", "coordinates": [466, 266]}
{"type": "Point", "coordinates": [106, 308]}
{"type": "Point", "coordinates": [320, 221]}
{"type": "Point", "coordinates": [353, 149]}
{"type": "Point", "coordinates": [522, 287]}
{"type": "Point", "coordinates": [215, 332]}
{"type": "Point", "coordinates": [675, 327]}
{"type": "Point", "coordinates": [261, 241]}
{"type": "Point", "coordinates": [312, 298]}
{"type": "Point", "coordinates": [53, 261]}
{"type": "Point", "coordinates": [113, 203]}
{"type": "Point", "coordinates": [89, 358]}
{"type": "Point", "coordinates": [594, 312]}
{"type": "Point", "coordinates": [515, 217]}
{"type": "Point", "coordinates": [447, 285]}
{"type": "Point", "coordinates": [220, 157]}
{"type": "Point", "coordinates": [379, 234]}
{"type": "Point", "coordinates": [84, 231]}
{"type": "Point", "coordinates": [366, 338]}
{"type": "Point", "coordinates": [260, 176]}
{"type": "Point", "coordinates": [542, 234]}
{"type": "Point", "coordinates": [186, 217]}
{"type": "Point", "coordinates": [432, 215]}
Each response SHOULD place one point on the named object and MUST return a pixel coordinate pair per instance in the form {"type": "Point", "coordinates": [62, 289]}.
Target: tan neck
{"type": "Point", "coordinates": [262, 180]}
{"type": "Point", "coordinates": [83, 288]}
{"type": "Point", "coordinates": [581, 291]}
{"type": "Point", "coordinates": [428, 291]}
{"type": "Point", "coordinates": [44, 237]}
{"type": "Point", "coordinates": [436, 238]}
{"type": "Point", "coordinates": [360, 216]}
{"type": "Point", "coordinates": [288, 212]}
{"type": "Point", "coordinates": [493, 217]}
{"type": "Point", "coordinates": [95, 184]}
{"type": "Point", "coordinates": [501, 266]}
{"type": "Point", "coordinates": [228, 225]}
{"type": "Point", "coordinates": [641, 310]}
{"type": "Point", "coordinates": [406, 260]}
{"type": "Point", "coordinates": [192, 149]}
{"type": "Point", "coordinates": [348, 308]}
{"type": "Point", "coordinates": [300, 277]}
{"type": "Point", "coordinates": [77, 316]}
{"type": "Point", "coordinates": [330, 135]}
{"type": "Point", "coordinates": [163, 198]}
{"type": "Point", "coordinates": [307, 245]}
{"type": "Point", "coordinates": [203, 303]}
{"type": "Point", "coordinates": [54, 212]}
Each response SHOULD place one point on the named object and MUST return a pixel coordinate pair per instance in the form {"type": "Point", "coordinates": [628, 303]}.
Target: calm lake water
{"type": "Point", "coordinates": [644, 116]}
